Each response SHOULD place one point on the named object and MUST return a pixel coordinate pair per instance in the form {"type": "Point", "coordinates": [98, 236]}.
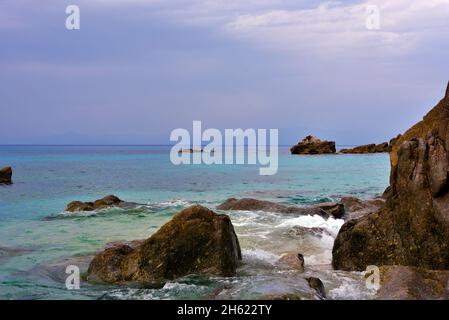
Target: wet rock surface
{"type": "Point", "coordinates": [106, 202]}
{"type": "Point", "coordinates": [195, 241]}
{"type": "Point", "coordinates": [328, 209]}
{"type": "Point", "coordinates": [410, 283]}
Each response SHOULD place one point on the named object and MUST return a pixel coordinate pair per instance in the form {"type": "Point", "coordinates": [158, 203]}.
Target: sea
{"type": "Point", "coordinates": [38, 240]}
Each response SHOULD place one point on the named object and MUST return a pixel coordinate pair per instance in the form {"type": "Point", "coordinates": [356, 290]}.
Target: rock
{"type": "Point", "coordinates": [293, 260]}
{"type": "Point", "coordinates": [356, 208]}
{"type": "Point", "coordinates": [5, 175]}
{"type": "Point", "coordinates": [410, 283]}
{"type": "Point", "coordinates": [413, 227]}
{"type": "Point", "coordinates": [368, 148]}
{"type": "Point", "coordinates": [195, 241]}
{"type": "Point", "coordinates": [281, 296]}
{"type": "Point", "coordinates": [327, 209]}
{"type": "Point", "coordinates": [313, 145]}
{"type": "Point", "coordinates": [336, 210]}
{"type": "Point", "coordinates": [106, 202]}
{"type": "Point", "coordinates": [317, 284]}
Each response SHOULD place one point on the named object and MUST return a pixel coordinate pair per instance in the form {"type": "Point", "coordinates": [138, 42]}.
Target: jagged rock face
{"type": "Point", "coordinates": [413, 228]}
{"type": "Point", "coordinates": [195, 241]}
{"type": "Point", "coordinates": [5, 175]}
{"type": "Point", "coordinates": [313, 145]}
{"type": "Point", "coordinates": [368, 148]}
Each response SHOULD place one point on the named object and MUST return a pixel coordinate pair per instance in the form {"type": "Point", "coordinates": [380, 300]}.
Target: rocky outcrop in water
{"type": "Point", "coordinates": [106, 202]}
{"type": "Point", "coordinates": [195, 241]}
{"type": "Point", "coordinates": [5, 175]}
{"type": "Point", "coordinates": [328, 209]}
{"type": "Point", "coordinates": [357, 208]}
{"type": "Point", "coordinates": [410, 283]}
{"type": "Point", "coordinates": [313, 145]}
{"type": "Point", "coordinates": [413, 227]}
{"type": "Point", "coordinates": [368, 148]}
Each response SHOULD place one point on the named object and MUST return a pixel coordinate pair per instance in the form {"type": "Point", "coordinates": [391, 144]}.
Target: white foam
{"type": "Point", "coordinates": [259, 255]}
{"type": "Point", "coordinates": [331, 225]}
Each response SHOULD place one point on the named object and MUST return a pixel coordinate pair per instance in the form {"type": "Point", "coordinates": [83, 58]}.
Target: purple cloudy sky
{"type": "Point", "coordinates": [139, 68]}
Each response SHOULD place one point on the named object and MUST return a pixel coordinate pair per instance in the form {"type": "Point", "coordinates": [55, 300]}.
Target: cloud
{"type": "Point", "coordinates": [332, 28]}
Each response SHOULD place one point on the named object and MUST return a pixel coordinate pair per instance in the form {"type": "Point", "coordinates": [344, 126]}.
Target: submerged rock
{"type": "Point", "coordinates": [106, 202]}
{"type": "Point", "coordinates": [317, 284]}
{"type": "Point", "coordinates": [293, 260]}
{"type": "Point", "coordinates": [195, 241]}
{"type": "Point", "coordinates": [410, 283]}
{"type": "Point", "coordinates": [313, 145]}
{"type": "Point", "coordinates": [327, 209]}
{"type": "Point", "coordinates": [5, 175]}
{"type": "Point", "coordinates": [368, 148]}
{"type": "Point", "coordinates": [413, 227]}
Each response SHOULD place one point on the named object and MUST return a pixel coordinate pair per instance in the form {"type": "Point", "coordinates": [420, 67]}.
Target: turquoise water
{"type": "Point", "coordinates": [38, 240]}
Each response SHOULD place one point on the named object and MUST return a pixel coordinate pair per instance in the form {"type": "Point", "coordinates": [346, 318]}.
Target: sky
{"type": "Point", "coordinates": [137, 69]}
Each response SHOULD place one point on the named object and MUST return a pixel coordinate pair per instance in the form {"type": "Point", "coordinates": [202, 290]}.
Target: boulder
{"type": "Point", "coordinates": [313, 145]}
{"type": "Point", "coordinates": [411, 283]}
{"type": "Point", "coordinates": [412, 228]}
{"type": "Point", "coordinates": [368, 148]}
{"type": "Point", "coordinates": [327, 209]}
{"type": "Point", "coordinates": [5, 175]}
{"type": "Point", "coordinates": [106, 202]}
{"type": "Point", "coordinates": [195, 241]}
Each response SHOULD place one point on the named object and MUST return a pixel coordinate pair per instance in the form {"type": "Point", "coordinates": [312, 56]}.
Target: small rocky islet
{"type": "Point", "coordinates": [6, 175]}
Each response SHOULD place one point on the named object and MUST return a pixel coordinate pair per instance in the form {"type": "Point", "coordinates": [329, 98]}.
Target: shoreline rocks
{"type": "Point", "coordinates": [6, 175]}
{"type": "Point", "coordinates": [195, 241]}
{"type": "Point", "coordinates": [328, 209]}
{"type": "Point", "coordinates": [412, 229]}
{"type": "Point", "coordinates": [368, 148]}
{"type": "Point", "coordinates": [313, 145]}
{"type": "Point", "coordinates": [106, 202]}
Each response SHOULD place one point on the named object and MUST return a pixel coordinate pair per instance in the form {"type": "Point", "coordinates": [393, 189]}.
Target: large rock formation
{"type": "Point", "coordinates": [413, 227]}
{"type": "Point", "coordinates": [411, 283]}
{"type": "Point", "coordinates": [195, 241]}
{"type": "Point", "coordinates": [313, 145]}
{"type": "Point", "coordinates": [106, 202]}
{"type": "Point", "coordinates": [328, 209]}
{"type": "Point", "coordinates": [368, 148]}
{"type": "Point", "coordinates": [5, 175]}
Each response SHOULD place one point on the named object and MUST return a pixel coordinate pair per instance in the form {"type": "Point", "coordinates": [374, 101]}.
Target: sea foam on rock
{"type": "Point", "coordinates": [413, 227]}
{"type": "Point", "coordinates": [195, 241]}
